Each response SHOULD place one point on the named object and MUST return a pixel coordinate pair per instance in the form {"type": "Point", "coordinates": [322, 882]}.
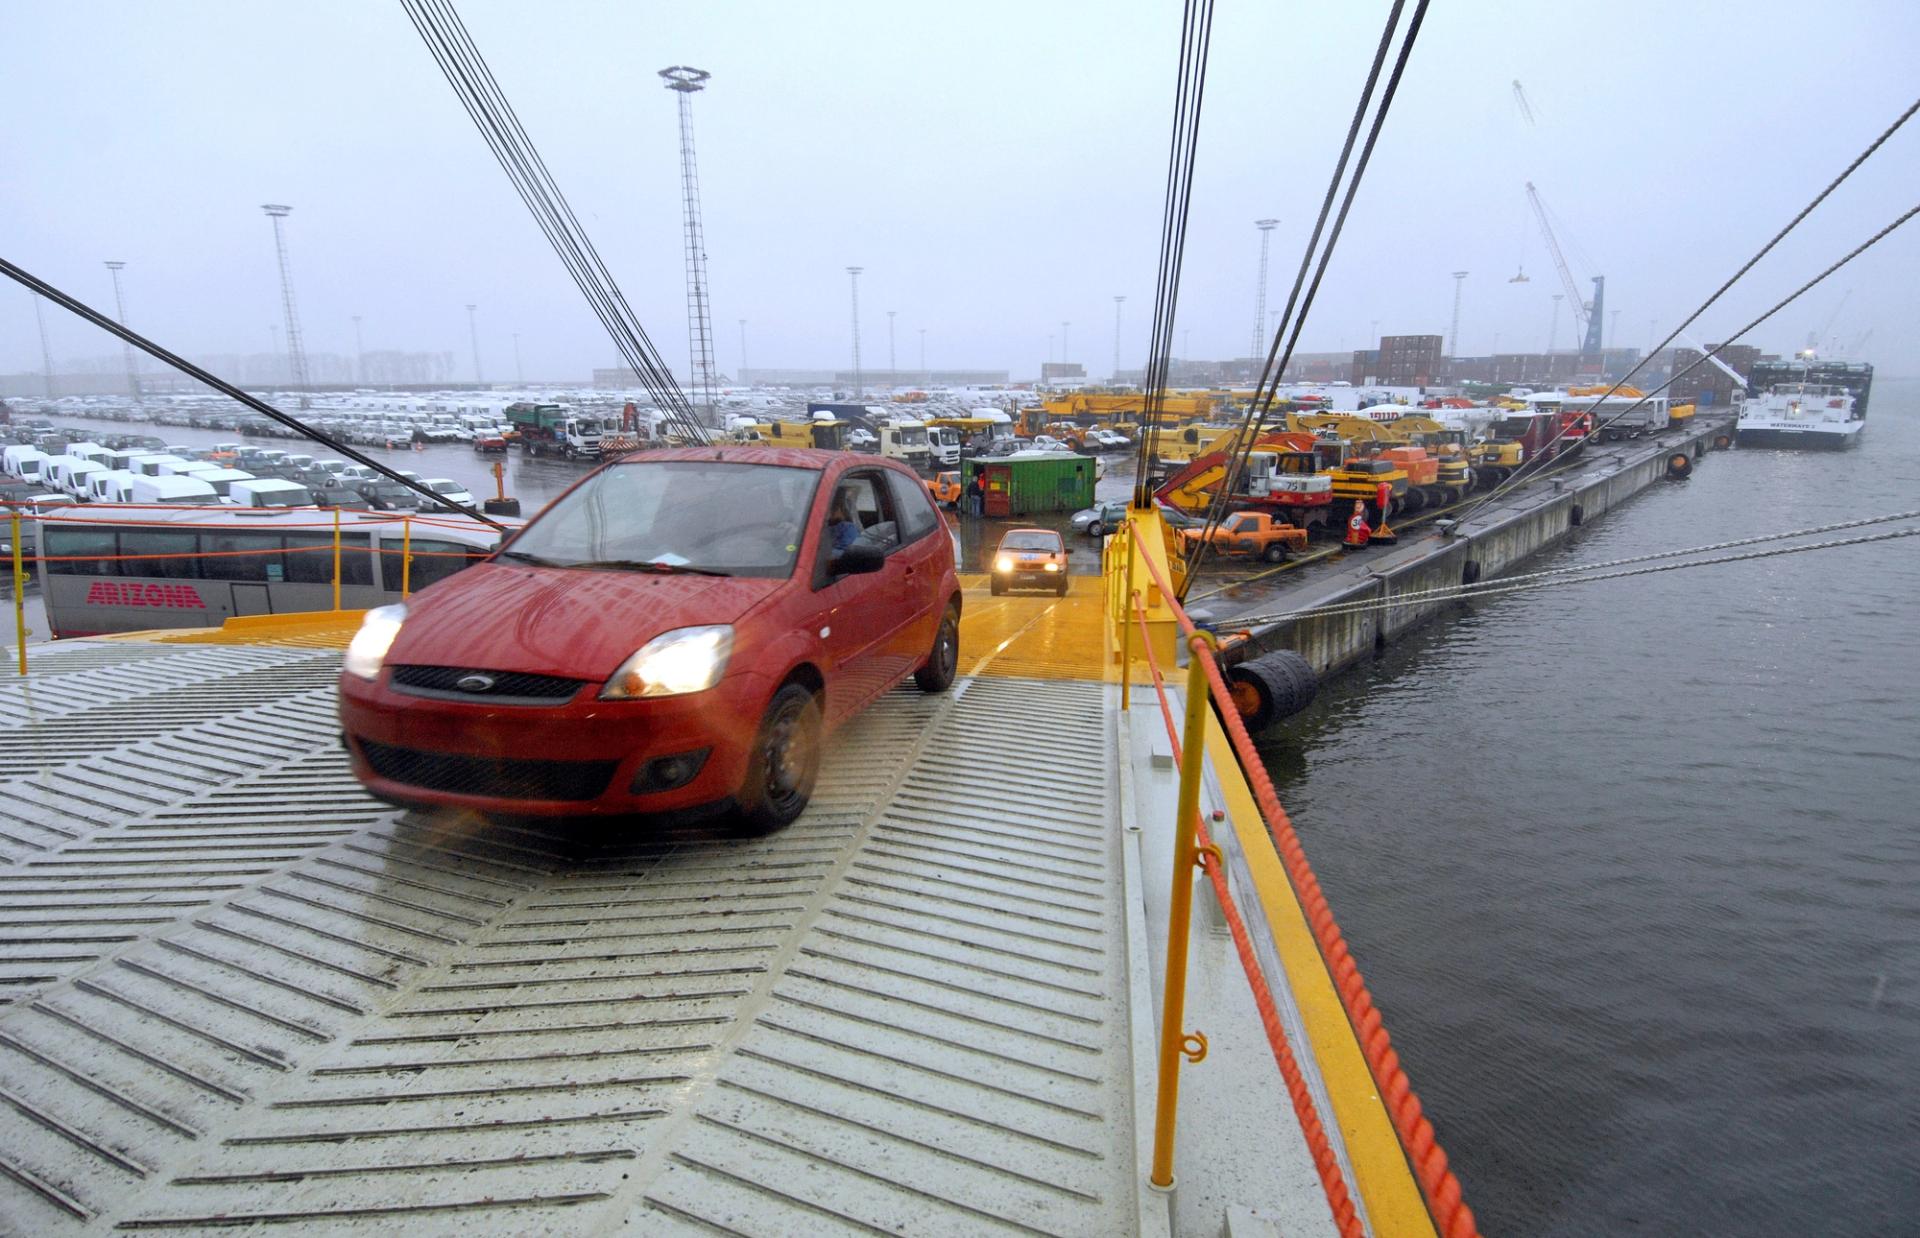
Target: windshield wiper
{"type": "Point", "coordinates": [653, 565]}
{"type": "Point", "coordinates": [536, 560]}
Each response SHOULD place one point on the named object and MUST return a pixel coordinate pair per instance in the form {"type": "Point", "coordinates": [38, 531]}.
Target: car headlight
{"type": "Point", "coordinates": [1003, 564]}
{"type": "Point", "coordinates": [673, 664]}
{"type": "Point", "coordinates": [1053, 567]}
{"type": "Point", "coordinates": [368, 649]}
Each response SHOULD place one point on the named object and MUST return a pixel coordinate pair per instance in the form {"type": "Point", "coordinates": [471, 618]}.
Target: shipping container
{"type": "Point", "coordinates": [1028, 486]}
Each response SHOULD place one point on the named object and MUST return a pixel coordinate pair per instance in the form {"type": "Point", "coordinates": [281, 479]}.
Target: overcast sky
{"type": "Point", "coordinates": [996, 167]}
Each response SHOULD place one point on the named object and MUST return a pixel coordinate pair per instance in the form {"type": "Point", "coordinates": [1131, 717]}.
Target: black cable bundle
{"type": "Point", "coordinates": [466, 71]}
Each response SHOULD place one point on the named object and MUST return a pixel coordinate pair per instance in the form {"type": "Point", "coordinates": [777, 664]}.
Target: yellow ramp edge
{"type": "Point", "coordinates": [1382, 1175]}
{"type": "Point", "coordinates": [331, 629]}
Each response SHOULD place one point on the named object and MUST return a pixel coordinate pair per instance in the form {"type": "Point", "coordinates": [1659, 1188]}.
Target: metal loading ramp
{"type": "Point", "coordinates": [237, 991]}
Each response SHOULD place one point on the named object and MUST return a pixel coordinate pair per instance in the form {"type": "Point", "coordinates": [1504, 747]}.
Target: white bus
{"type": "Point", "coordinates": [202, 583]}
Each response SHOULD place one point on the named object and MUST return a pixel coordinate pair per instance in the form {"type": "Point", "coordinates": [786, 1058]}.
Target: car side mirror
{"type": "Point", "coordinates": [859, 559]}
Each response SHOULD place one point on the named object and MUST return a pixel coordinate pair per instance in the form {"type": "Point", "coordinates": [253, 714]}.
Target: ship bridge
{"type": "Point", "coordinates": [963, 994]}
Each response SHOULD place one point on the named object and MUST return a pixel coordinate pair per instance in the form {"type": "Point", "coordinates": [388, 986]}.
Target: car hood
{"type": "Point", "coordinates": [580, 623]}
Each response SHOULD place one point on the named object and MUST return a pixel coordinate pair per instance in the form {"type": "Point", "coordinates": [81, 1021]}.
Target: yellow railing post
{"type": "Point", "coordinates": [19, 591]}
{"type": "Point", "coordinates": [1126, 620]}
{"type": "Point", "coordinates": [336, 558]}
{"type": "Point", "coordinates": [406, 555]}
{"type": "Point", "coordinates": [1174, 1041]}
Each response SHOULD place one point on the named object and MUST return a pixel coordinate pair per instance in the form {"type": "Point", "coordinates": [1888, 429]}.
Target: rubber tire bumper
{"type": "Point", "coordinates": [1283, 684]}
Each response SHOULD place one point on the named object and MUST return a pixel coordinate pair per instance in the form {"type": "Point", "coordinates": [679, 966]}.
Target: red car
{"type": "Point", "coordinates": [678, 629]}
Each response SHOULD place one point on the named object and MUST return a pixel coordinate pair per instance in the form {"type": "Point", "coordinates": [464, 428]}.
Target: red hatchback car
{"type": "Point", "coordinates": [679, 629]}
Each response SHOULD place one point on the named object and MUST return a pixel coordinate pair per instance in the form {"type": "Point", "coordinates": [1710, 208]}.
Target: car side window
{"type": "Point", "coordinates": [916, 515]}
{"type": "Point", "coordinates": [860, 510]}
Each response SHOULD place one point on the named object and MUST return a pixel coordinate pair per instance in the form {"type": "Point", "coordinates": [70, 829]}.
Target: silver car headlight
{"type": "Point", "coordinates": [368, 651]}
{"type": "Point", "coordinates": [673, 664]}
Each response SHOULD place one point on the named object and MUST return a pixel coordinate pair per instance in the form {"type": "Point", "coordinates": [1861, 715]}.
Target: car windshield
{"type": "Point", "coordinates": [443, 487]}
{"type": "Point", "coordinates": [296, 497]}
{"type": "Point", "coordinates": [1040, 542]}
{"type": "Point", "coordinates": [709, 516]}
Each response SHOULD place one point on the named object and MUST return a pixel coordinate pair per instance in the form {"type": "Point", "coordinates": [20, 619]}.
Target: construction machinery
{"type": "Point", "coordinates": [1300, 476]}
{"type": "Point", "coordinates": [1426, 484]}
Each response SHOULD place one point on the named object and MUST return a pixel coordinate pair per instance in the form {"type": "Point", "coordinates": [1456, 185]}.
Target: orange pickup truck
{"type": "Point", "coordinates": [945, 489]}
{"type": "Point", "coordinates": [1252, 533]}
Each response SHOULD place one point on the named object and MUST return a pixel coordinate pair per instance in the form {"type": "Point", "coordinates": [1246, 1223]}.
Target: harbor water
{"type": "Point", "coordinates": [1633, 868]}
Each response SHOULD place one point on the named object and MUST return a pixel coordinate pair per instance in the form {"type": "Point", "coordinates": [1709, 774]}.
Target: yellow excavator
{"type": "Point", "coordinates": [1431, 479]}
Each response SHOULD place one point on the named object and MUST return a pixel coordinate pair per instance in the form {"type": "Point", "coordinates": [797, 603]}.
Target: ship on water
{"type": "Point", "coordinates": [1815, 416]}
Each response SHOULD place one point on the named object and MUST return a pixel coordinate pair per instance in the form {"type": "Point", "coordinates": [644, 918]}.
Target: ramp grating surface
{"type": "Point", "coordinates": [236, 991]}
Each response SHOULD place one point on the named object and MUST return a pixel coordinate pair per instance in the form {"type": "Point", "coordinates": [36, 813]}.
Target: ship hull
{"type": "Point", "coordinates": [1811, 439]}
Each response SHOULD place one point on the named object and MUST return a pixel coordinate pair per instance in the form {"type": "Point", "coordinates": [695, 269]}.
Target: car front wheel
{"type": "Point", "coordinates": [943, 661]}
{"type": "Point", "coordinates": [784, 762]}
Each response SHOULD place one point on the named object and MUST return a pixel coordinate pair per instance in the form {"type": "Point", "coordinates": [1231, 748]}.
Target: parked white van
{"type": "Point", "coordinates": [72, 478]}
{"type": "Point", "coordinates": [111, 486]}
{"type": "Point", "coordinates": [269, 492]}
{"type": "Point", "coordinates": [222, 480]}
{"type": "Point", "coordinates": [172, 491]}
{"type": "Point", "coordinates": [125, 459]}
{"type": "Point", "coordinates": [23, 462]}
{"type": "Point", "coordinates": [149, 466]}
{"type": "Point", "coordinates": [88, 451]}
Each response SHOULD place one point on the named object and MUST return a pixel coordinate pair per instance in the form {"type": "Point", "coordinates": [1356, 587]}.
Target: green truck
{"type": "Point", "coordinates": [555, 430]}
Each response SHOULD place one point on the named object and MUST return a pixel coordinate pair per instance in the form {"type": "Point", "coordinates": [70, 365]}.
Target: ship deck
{"type": "Point", "coordinates": [235, 990]}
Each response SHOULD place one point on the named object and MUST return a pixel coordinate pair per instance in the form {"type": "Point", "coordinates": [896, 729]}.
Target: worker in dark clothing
{"type": "Point", "coordinates": [841, 525]}
{"type": "Point", "coordinates": [976, 496]}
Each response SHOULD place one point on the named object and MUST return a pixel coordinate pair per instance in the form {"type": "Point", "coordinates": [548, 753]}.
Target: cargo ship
{"type": "Point", "coordinates": [1815, 416]}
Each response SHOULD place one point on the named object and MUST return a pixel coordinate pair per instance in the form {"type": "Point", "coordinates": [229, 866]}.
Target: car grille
{"type": "Point", "coordinates": [500, 777]}
{"type": "Point", "coordinates": [446, 679]}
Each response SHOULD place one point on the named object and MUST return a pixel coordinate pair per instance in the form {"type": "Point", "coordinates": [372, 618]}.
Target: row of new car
{"type": "Point", "coordinates": [94, 472]}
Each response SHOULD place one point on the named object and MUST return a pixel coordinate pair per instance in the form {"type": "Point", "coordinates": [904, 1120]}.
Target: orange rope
{"type": "Point", "coordinates": [1438, 1184]}
{"type": "Point", "coordinates": [1332, 1180]}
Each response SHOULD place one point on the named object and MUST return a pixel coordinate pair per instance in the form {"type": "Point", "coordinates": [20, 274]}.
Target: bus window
{"type": "Point", "coordinates": [159, 542]}
{"type": "Point", "coordinates": [432, 561]}
{"type": "Point", "coordinates": [225, 565]}
{"type": "Point", "coordinates": [315, 567]}
{"type": "Point", "coordinates": [100, 542]}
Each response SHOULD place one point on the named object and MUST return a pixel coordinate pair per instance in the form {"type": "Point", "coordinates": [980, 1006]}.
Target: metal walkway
{"type": "Point", "coordinates": [237, 991]}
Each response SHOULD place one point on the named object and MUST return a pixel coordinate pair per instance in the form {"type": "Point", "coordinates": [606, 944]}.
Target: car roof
{"type": "Point", "coordinates": [787, 457]}
{"type": "Point", "coordinates": [1046, 532]}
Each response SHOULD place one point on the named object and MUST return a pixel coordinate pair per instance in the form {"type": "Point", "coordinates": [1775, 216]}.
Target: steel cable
{"type": "Point", "coordinates": [145, 345]}
{"type": "Point", "coordinates": [1262, 402]}
{"type": "Point", "coordinates": [1569, 576]}
{"type": "Point", "coordinates": [480, 95]}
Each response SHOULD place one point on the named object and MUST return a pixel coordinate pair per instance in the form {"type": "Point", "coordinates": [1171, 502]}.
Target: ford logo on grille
{"type": "Point", "coordinates": [474, 683]}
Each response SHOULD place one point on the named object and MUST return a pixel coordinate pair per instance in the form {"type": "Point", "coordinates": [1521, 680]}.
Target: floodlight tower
{"type": "Point", "coordinates": [853, 276]}
{"type": "Point", "coordinates": [120, 313]}
{"type": "Point", "coordinates": [685, 82]}
{"type": "Point", "coordinates": [473, 337]}
{"type": "Point", "coordinates": [46, 351]}
{"type": "Point", "coordinates": [1266, 227]}
{"type": "Point", "coordinates": [296, 354]}
{"type": "Point", "coordinates": [1453, 333]}
{"type": "Point", "coordinates": [1118, 301]}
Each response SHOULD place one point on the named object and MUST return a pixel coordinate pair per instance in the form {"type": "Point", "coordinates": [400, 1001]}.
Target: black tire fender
{"type": "Point", "coordinates": [1271, 687]}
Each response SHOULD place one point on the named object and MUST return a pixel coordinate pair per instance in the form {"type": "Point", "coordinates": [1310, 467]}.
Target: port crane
{"type": "Point", "coordinates": [1589, 314]}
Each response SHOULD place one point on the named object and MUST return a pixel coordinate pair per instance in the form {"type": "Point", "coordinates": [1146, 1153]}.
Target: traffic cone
{"type": "Point", "coordinates": [1383, 533]}
{"type": "Point", "coordinates": [1358, 533]}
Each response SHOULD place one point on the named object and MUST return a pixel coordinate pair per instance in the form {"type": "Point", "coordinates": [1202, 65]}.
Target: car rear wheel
{"type": "Point", "coordinates": [1275, 552]}
{"type": "Point", "coordinates": [944, 660]}
{"type": "Point", "coordinates": [784, 762]}
{"type": "Point", "coordinates": [1096, 529]}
